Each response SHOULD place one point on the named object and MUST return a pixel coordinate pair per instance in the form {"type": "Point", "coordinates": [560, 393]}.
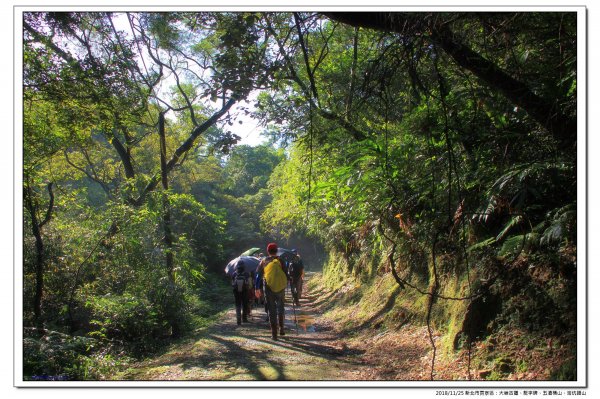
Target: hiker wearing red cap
{"type": "Point", "coordinates": [275, 281]}
{"type": "Point", "coordinates": [272, 248]}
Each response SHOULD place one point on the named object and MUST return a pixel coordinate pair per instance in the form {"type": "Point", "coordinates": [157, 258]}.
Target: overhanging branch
{"type": "Point", "coordinates": [545, 112]}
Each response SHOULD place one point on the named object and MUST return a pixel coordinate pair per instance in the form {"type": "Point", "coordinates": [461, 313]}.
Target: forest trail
{"type": "Point", "coordinates": [311, 350]}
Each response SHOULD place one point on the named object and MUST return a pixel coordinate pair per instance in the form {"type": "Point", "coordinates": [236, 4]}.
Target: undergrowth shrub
{"type": "Point", "coordinates": [124, 317]}
{"type": "Point", "coordinates": [566, 372]}
{"type": "Point", "coordinates": [58, 356]}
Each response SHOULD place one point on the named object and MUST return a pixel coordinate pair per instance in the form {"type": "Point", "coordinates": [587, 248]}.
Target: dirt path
{"type": "Point", "coordinates": [311, 350]}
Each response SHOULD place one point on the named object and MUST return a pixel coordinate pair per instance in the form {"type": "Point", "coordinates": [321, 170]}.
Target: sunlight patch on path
{"type": "Point", "coordinates": [307, 352]}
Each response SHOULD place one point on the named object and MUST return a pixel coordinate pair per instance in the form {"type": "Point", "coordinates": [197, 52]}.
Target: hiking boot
{"type": "Point", "coordinates": [274, 332]}
{"type": "Point", "coordinates": [280, 318]}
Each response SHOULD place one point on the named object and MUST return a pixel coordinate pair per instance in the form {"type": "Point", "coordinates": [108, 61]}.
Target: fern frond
{"type": "Point", "coordinates": [514, 221]}
{"type": "Point", "coordinates": [482, 244]}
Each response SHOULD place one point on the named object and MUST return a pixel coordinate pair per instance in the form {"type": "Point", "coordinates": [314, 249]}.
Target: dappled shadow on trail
{"type": "Point", "coordinates": [309, 351]}
{"type": "Point", "coordinates": [374, 320]}
{"type": "Point", "coordinates": [314, 348]}
{"type": "Point", "coordinates": [328, 351]}
{"type": "Point", "coordinates": [321, 299]}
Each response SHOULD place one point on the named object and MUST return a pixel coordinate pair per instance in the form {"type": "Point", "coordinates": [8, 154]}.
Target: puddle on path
{"type": "Point", "coordinates": [306, 322]}
{"type": "Point", "coordinates": [303, 322]}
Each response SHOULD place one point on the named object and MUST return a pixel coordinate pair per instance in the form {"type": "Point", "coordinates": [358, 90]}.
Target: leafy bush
{"type": "Point", "coordinates": [124, 317]}
{"type": "Point", "coordinates": [58, 356]}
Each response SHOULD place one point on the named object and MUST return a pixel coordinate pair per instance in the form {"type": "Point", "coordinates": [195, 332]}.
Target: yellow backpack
{"type": "Point", "coordinates": [275, 277]}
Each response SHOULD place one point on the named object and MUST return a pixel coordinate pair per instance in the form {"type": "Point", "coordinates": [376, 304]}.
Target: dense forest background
{"type": "Point", "coordinates": [433, 151]}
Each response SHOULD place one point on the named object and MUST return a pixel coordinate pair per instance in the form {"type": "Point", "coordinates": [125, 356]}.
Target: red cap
{"type": "Point", "coordinates": [272, 247]}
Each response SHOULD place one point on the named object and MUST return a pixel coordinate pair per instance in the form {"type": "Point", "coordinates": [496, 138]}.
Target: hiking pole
{"type": "Point", "coordinates": [295, 321]}
{"type": "Point", "coordinates": [294, 309]}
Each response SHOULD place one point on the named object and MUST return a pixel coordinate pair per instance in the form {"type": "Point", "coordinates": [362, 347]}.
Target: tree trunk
{"type": "Point", "coordinates": [168, 239]}
{"type": "Point", "coordinates": [545, 112]}
{"type": "Point", "coordinates": [124, 154]}
{"type": "Point", "coordinates": [39, 267]}
{"type": "Point", "coordinates": [184, 148]}
{"type": "Point", "coordinates": [36, 227]}
{"type": "Point", "coordinates": [351, 88]}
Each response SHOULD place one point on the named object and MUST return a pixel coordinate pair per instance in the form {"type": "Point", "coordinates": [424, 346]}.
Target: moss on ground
{"type": "Point", "coordinates": [466, 333]}
{"type": "Point", "coordinates": [374, 320]}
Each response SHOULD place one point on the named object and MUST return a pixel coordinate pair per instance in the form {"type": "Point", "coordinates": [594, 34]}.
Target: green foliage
{"type": "Point", "coordinates": [562, 226]}
{"type": "Point", "coordinates": [248, 169]}
{"type": "Point", "coordinates": [233, 189]}
{"type": "Point", "coordinates": [124, 318]}
{"type": "Point", "coordinates": [566, 372]}
{"type": "Point", "coordinates": [56, 356]}
{"type": "Point", "coordinates": [515, 204]}
{"type": "Point", "coordinates": [446, 167]}
{"type": "Point", "coordinates": [389, 143]}
{"type": "Point", "coordinates": [517, 244]}
{"type": "Point", "coordinates": [201, 234]}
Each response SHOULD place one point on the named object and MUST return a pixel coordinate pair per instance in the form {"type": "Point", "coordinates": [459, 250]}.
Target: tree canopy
{"type": "Point", "coordinates": [432, 146]}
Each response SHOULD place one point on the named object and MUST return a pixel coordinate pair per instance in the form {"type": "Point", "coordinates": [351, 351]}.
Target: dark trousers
{"type": "Point", "coordinates": [296, 287]}
{"type": "Point", "coordinates": [241, 304]}
{"type": "Point", "coordinates": [275, 304]}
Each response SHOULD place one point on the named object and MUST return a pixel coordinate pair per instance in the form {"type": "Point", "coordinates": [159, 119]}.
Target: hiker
{"type": "Point", "coordinates": [296, 275]}
{"type": "Point", "coordinates": [240, 282]}
{"type": "Point", "coordinates": [275, 281]}
{"type": "Point", "coordinates": [251, 293]}
{"type": "Point", "coordinates": [259, 292]}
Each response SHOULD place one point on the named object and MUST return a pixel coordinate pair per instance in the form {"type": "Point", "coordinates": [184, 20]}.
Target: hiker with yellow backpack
{"type": "Point", "coordinates": [275, 281]}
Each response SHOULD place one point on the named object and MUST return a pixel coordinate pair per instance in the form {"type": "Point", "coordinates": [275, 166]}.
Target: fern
{"type": "Point", "coordinates": [514, 221]}
{"type": "Point", "coordinates": [562, 225]}
{"type": "Point", "coordinates": [482, 244]}
{"type": "Point", "coordinates": [527, 189]}
{"type": "Point", "coordinates": [492, 206]}
{"type": "Point", "coordinates": [516, 244]}
{"type": "Point", "coordinates": [522, 182]}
